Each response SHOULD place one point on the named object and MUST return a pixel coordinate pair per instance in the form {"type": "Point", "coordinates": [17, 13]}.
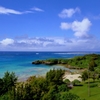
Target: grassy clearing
{"type": "Point", "coordinates": [82, 91]}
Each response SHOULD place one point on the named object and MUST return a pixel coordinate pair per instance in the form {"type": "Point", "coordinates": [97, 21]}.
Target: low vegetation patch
{"type": "Point", "coordinates": [50, 87]}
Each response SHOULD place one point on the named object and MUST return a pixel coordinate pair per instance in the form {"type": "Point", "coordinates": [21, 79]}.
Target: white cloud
{"type": "Point", "coordinates": [65, 25]}
{"type": "Point", "coordinates": [26, 12]}
{"type": "Point", "coordinates": [50, 44]}
{"type": "Point", "coordinates": [60, 41]}
{"type": "Point", "coordinates": [7, 41]}
{"type": "Point", "coordinates": [4, 10]}
{"type": "Point", "coordinates": [68, 12]}
{"type": "Point", "coordinates": [37, 9]}
{"type": "Point", "coordinates": [79, 27]}
{"type": "Point", "coordinates": [46, 43]}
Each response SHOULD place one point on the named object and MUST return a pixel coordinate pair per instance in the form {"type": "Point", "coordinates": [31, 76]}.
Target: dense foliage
{"type": "Point", "coordinates": [7, 82]}
{"type": "Point", "coordinates": [90, 60]}
{"type": "Point", "coordinates": [50, 87]}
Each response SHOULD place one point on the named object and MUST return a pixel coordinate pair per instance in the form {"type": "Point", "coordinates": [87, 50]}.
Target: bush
{"type": "Point", "coordinates": [67, 81]}
{"type": "Point", "coordinates": [69, 96]}
{"type": "Point", "coordinates": [77, 83]}
{"type": "Point", "coordinates": [62, 88]}
{"type": "Point", "coordinates": [9, 80]}
{"type": "Point", "coordinates": [93, 85]}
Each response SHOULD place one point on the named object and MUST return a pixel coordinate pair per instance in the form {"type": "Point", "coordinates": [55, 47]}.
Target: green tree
{"type": "Point", "coordinates": [69, 96]}
{"type": "Point", "coordinates": [9, 80]}
{"type": "Point", "coordinates": [92, 64]}
{"type": "Point", "coordinates": [55, 76]}
{"type": "Point", "coordinates": [76, 82]}
{"type": "Point", "coordinates": [85, 75]}
{"type": "Point", "coordinates": [67, 81]}
{"type": "Point", "coordinates": [51, 95]}
{"type": "Point", "coordinates": [63, 88]}
{"type": "Point", "coordinates": [1, 86]}
{"type": "Point", "coordinates": [39, 87]}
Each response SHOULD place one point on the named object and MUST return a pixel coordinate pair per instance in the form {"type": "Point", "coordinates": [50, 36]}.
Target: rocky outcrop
{"type": "Point", "coordinates": [46, 62]}
{"type": "Point", "coordinates": [37, 62]}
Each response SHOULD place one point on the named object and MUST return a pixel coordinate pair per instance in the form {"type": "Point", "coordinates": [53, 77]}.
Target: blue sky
{"type": "Point", "coordinates": [49, 25]}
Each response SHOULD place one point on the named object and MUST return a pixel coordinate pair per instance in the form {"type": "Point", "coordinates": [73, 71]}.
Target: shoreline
{"type": "Point", "coordinates": [68, 71]}
{"type": "Point", "coordinates": [80, 70]}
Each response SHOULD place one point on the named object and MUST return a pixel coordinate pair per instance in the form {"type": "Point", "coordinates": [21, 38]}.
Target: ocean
{"type": "Point", "coordinates": [21, 62]}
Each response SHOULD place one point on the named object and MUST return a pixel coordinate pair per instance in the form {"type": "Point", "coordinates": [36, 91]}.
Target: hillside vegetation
{"type": "Point", "coordinates": [51, 87]}
{"type": "Point", "coordinates": [76, 62]}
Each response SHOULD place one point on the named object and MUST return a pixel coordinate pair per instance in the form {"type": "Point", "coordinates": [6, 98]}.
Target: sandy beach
{"type": "Point", "coordinates": [72, 77]}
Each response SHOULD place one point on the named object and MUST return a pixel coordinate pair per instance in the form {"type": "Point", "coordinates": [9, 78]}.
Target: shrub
{"type": "Point", "coordinates": [67, 81]}
{"type": "Point", "coordinates": [77, 83]}
{"type": "Point", "coordinates": [93, 85]}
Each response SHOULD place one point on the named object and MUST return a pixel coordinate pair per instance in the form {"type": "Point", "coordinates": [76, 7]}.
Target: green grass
{"type": "Point", "coordinates": [82, 91]}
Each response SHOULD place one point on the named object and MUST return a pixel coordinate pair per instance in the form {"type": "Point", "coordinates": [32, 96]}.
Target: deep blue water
{"type": "Point", "coordinates": [21, 62]}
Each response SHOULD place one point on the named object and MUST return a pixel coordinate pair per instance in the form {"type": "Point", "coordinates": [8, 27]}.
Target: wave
{"type": "Point", "coordinates": [76, 53]}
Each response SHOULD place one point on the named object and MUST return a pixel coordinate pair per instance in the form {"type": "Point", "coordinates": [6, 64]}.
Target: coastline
{"type": "Point", "coordinates": [68, 72]}
{"type": "Point", "coordinates": [20, 63]}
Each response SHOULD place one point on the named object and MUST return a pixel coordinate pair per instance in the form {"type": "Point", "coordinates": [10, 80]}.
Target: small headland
{"type": "Point", "coordinates": [79, 63]}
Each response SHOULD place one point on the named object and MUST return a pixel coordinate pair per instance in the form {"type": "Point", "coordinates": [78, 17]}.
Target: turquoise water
{"type": "Point", "coordinates": [21, 62]}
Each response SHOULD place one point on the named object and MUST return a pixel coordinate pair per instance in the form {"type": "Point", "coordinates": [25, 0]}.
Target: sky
{"type": "Point", "coordinates": [49, 25]}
